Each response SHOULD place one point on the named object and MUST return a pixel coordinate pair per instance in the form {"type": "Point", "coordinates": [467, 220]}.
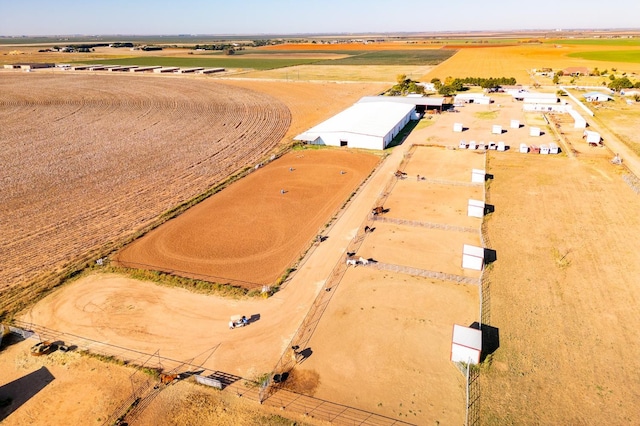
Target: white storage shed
{"type": "Point", "coordinates": [592, 137]}
{"type": "Point", "coordinates": [370, 125]}
{"type": "Point", "coordinates": [477, 175]}
{"type": "Point", "coordinates": [553, 148]}
{"type": "Point", "coordinates": [515, 124]}
{"type": "Point", "coordinates": [457, 127]}
{"type": "Point", "coordinates": [501, 147]}
{"type": "Point", "coordinates": [534, 131]}
{"type": "Point", "coordinates": [496, 129]}
{"type": "Point", "coordinates": [475, 208]}
{"type": "Point", "coordinates": [472, 257]}
{"type": "Point", "coordinates": [466, 344]}
{"type": "Point", "coordinates": [524, 148]}
{"type": "Point", "coordinates": [544, 149]}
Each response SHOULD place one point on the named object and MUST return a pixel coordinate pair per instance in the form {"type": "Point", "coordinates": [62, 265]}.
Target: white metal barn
{"type": "Point", "coordinates": [370, 125]}
{"type": "Point", "coordinates": [475, 208]}
{"type": "Point", "coordinates": [466, 344]}
{"type": "Point", "coordinates": [579, 121]}
{"type": "Point", "coordinates": [472, 257]}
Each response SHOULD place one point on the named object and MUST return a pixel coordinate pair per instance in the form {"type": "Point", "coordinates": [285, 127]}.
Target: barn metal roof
{"type": "Point", "coordinates": [366, 118]}
{"type": "Point", "coordinates": [413, 100]}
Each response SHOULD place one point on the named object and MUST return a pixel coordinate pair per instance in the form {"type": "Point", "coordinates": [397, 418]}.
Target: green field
{"type": "Point", "coordinates": [609, 55]}
{"type": "Point", "coordinates": [394, 57]}
{"type": "Point", "coordinates": [598, 41]}
{"type": "Point", "coordinates": [208, 62]}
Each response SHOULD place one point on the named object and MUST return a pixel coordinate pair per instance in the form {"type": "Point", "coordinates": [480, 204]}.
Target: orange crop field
{"type": "Point", "coordinates": [403, 45]}
{"type": "Point", "coordinates": [518, 61]}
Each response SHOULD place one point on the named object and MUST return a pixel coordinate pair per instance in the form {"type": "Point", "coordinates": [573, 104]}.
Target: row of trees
{"type": "Point", "coordinates": [452, 85]}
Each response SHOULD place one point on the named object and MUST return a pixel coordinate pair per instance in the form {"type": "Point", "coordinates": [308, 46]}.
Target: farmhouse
{"type": "Point", "coordinates": [368, 124]}
{"type": "Point", "coordinates": [597, 97]}
{"type": "Point", "coordinates": [576, 71]}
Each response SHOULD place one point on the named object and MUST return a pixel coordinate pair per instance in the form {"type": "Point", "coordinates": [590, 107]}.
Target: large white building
{"type": "Point", "coordinates": [370, 125]}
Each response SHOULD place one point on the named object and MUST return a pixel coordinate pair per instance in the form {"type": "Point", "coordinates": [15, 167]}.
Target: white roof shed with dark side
{"type": "Point", "coordinates": [370, 125]}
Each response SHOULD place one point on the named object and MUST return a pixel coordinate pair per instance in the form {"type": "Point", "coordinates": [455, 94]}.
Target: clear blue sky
{"type": "Point", "coordinates": [99, 17]}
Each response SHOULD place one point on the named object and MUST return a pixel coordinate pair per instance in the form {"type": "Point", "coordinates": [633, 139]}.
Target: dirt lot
{"type": "Point", "coordinates": [563, 293]}
{"type": "Point", "coordinates": [251, 232]}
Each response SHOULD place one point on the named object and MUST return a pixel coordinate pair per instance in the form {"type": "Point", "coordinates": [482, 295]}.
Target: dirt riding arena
{"type": "Point", "coordinates": [256, 228]}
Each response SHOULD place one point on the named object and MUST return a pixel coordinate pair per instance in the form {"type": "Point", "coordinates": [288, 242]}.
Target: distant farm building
{"type": "Point", "coordinates": [576, 71]}
{"type": "Point", "coordinates": [30, 66]}
{"type": "Point", "coordinates": [472, 98]}
{"type": "Point", "coordinates": [535, 98]}
{"type": "Point", "coordinates": [596, 97]}
{"type": "Point", "coordinates": [368, 124]}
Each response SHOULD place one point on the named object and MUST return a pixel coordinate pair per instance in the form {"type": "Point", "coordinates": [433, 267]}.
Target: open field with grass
{"type": "Point", "coordinates": [395, 57]}
{"type": "Point", "coordinates": [242, 61]}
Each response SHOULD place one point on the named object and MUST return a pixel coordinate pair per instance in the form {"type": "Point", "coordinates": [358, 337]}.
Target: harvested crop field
{"type": "Point", "coordinates": [92, 159]}
{"type": "Point", "coordinates": [254, 229]}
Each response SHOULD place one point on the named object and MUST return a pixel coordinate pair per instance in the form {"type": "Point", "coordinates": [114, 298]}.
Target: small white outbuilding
{"type": "Point", "coordinates": [524, 148]}
{"type": "Point", "coordinates": [457, 127]}
{"type": "Point", "coordinates": [592, 137]}
{"type": "Point", "coordinates": [475, 208]}
{"type": "Point", "coordinates": [466, 344]}
{"type": "Point", "coordinates": [515, 124]}
{"type": "Point", "coordinates": [534, 131]}
{"type": "Point", "coordinates": [477, 175]}
{"type": "Point", "coordinates": [553, 148]}
{"type": "Point", "coordinates": [472, 257]}
{"type": "Point", "coordinates": [496, 129]}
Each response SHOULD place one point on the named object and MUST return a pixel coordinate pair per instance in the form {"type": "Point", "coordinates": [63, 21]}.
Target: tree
{"type": "Point", "coordinates": [612, 77]}
{"type": "Point", "coordinates": [556, 79]}
{"type": "Point", "coordinates": [401, 78]}
{"type": "Point", "coordinates": [620, 83]}
{"type": "Point", "coordinates": [446, 90]}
